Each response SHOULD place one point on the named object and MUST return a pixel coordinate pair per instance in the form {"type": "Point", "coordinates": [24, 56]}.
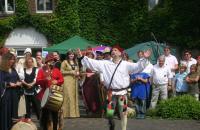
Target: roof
{"type": "Point", "coordinates": [71, 43]}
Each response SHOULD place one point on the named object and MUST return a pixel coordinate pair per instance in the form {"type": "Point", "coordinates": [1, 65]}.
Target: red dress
{"type": "Point", "coordinates": [42, 80]}
{"type": "Point", "coordinates": [90, 90]}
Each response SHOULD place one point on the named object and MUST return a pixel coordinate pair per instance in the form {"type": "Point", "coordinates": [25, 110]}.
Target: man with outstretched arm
{"type": "Point", "coordinates": [121, 78]}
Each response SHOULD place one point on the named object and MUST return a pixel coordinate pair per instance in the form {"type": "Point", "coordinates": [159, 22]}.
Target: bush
{"type": "Point", "coordinates": [181, 107]}
{"type": "Point", "coordinates": [152, 113]}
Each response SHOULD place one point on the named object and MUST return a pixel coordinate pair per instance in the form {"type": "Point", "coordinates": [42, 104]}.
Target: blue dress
{"type": "Point", "coordinates": [15, 93]}
{"type": "Point", "coordinates": [140, 90]}
{"type": "Point", "coordinates": [5, 103]}
{"type": "Point", "coordinates": [9, 101]}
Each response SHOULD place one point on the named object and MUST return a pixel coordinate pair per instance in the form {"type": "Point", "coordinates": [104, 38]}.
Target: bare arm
{"type": "Point", "coordinates": [187, 79]}
{"type": "Point", "coordinates": [143, 80]}
{"type": "Point", "coordinates": [94, 65]}
{"type": "Point", "coordinates": [194, 80]}
{"type": "Point", "coordinates": [133, 80]}
{"type": "Point", "coordinates": [175, 68]}
{"type": "Point", "coordinates": [141, 64]}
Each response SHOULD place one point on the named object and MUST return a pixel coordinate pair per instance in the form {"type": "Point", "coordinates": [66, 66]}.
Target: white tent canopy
{"type": "Point", "coordinates": [25, 37]}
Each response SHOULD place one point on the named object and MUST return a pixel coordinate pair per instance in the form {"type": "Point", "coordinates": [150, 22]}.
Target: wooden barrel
{"type": "Point", "coordinates": [24, 126]}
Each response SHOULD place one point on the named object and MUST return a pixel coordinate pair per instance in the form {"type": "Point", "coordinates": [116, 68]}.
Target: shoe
{"type": "Point", "coordinates": [142, 116]}
{"type": "Point", "coordinates": [137, 116]}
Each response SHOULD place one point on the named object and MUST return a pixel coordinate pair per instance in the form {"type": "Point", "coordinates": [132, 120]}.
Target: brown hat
{"type": "Point", "coordinates": [49, 57]}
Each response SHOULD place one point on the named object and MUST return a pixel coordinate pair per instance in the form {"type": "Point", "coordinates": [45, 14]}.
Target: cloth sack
{"type": "Point", "coordinates": [22, 106]}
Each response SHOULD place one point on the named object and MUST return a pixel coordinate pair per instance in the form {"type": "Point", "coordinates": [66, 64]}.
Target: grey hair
{"type": "Point", "coordinates": [161, 57]}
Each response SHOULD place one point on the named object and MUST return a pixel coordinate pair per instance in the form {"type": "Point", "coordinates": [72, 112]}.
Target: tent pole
{"type": "Point", "coordinates": [154, 37]}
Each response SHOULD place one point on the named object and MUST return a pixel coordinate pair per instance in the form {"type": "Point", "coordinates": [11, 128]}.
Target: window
{"type": "Point", "coordinates": [7, 6]}
{"type": "Point", "coordinates": [44, 6]}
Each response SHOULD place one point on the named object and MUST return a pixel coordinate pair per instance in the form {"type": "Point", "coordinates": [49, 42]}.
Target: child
{"type": "Point", "coordinates": [180, 83]}
{"type": "Point", "coordinates": [192, 80]}
{"type": "Point", "coordinates": [140, 92]}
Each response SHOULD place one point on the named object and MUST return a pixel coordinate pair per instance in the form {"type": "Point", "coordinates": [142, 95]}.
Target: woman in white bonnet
{"type": "Point", "coordinates": [27, 54]}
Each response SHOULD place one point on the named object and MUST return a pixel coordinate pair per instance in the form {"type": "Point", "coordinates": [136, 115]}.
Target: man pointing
{"type": "Point", "coordinates": [120, 81]}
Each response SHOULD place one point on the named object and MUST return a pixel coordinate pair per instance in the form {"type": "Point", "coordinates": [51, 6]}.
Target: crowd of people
{"type": "Point", "coordinates": [168, 78]}
{"type": "Point", "coordinates": [105, 78]}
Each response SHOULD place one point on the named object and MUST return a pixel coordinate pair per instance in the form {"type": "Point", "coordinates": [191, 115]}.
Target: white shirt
{"type": "Point", "coordinates": [121, 78]}
{"type": "Point", "coordinates": [171, 61]}
{"type": "Point", "coordinates": [189, 63]}
{"type": "Point", "coordinates": [161, 75]}
{"type": "Point", "coordinates": [20, 71]}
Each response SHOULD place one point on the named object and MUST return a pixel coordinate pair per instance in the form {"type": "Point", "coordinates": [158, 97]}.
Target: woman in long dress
{"type": "Point", "coordinates": [70, 71]}
{"type": "Point", "coordinates": [9, 84]}
{"type": "Point", "coordinates": [91, 88]}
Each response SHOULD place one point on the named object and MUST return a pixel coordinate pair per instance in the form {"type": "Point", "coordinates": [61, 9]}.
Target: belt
{"type": "Point", "coordinates": [159, 84]}
{"type": "Point", "coordinates": [117, 90]}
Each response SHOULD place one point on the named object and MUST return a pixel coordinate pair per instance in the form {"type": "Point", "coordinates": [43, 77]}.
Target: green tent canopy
{"type": "Point", "coordinates": [157, 49]}
{"type": "Point", "coordinates": [72, 43]}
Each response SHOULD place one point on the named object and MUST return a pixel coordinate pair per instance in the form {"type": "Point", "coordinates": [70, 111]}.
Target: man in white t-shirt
{"type": "Point", "coordinates": [188, 60]}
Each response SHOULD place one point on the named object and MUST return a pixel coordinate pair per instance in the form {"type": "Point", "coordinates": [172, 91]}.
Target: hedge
{"type": "Point", "coordinates": [181, 107]}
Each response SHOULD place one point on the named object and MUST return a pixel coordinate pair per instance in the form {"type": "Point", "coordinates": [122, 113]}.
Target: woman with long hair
{"type": "Point", "coordinates": [70, 71]}
{"type": "Point", "coordinates": [3, 50]}
{"type": "Point", "coordinates": [9, 85]}
{"type": "Point", "coordinates": [29, 84]}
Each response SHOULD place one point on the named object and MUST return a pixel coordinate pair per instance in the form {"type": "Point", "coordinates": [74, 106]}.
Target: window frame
{"type": "Point", "coordinates": [6, 11]}
{"type": "Point", "coordinates": [43, 11]}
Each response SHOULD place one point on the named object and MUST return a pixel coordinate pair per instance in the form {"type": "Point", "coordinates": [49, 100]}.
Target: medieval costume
{"type": "Point", "coordinates": [5, 102]}
{"type": "Point", "coordinates": [70, 71]}
{"type": "Point", "coordinates": [116, 80]}
{"type": "Point", "coordinates": [48, 76]}
{"type": "Point", "coordinates": [30, 91]}
{"type": "Point", "coordinates": [91, 90]}
{"type": "Point", "coordinates": [9, 90]}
